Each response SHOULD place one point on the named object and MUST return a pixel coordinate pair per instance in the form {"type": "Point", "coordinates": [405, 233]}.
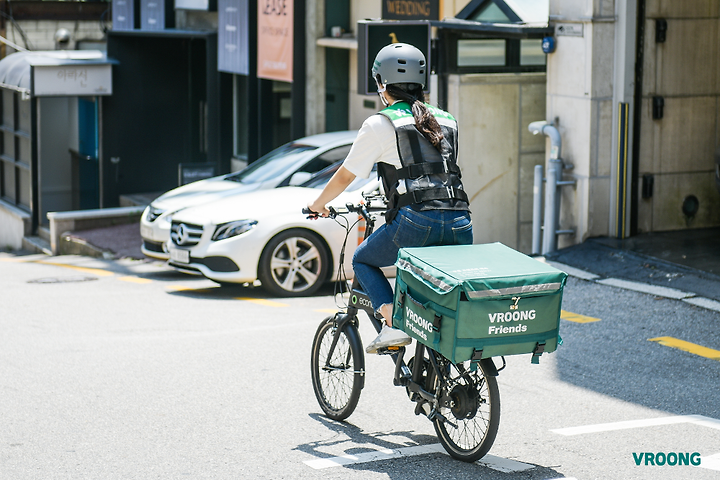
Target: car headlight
{"type": "Point", "coordinates": [233, 229]}
{"type": "Point", "coordinates": [153, 213]}
{"type": "Point", "coordinates": [169, 216]}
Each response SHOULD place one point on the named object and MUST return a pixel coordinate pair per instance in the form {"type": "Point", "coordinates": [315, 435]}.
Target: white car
{"type": "Point", "coordinates": [264, 235]}
{"type": "Point", "coordinates": [291, 164]}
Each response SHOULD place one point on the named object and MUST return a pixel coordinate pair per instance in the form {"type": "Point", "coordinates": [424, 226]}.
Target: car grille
{"type": "Point", "coordinates": [185, 234]}
{"type": "Point", "coordinates": [153, 214]}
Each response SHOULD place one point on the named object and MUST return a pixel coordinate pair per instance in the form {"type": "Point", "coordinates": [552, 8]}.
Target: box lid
{"type": "Point", "coordinates": [482, 271]}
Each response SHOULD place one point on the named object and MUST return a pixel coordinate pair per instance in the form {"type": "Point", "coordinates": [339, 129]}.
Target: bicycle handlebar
{"type": "Point", "coordinates": [361, 208]}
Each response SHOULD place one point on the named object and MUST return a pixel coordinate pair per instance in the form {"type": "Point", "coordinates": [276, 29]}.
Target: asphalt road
{"type": "Point", "coordinates": [127, 370]}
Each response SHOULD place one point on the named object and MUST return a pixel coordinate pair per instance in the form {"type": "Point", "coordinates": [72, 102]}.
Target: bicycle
{"type": "Point", "coordinates": [462, 403]}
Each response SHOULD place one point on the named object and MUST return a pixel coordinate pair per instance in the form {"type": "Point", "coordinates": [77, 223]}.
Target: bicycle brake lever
{"type": "Point", "coordinates": [311, 215]}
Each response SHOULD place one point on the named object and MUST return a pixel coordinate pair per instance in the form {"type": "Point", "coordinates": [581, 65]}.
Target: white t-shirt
{"type": "Point", "coordinates": [375, 142]}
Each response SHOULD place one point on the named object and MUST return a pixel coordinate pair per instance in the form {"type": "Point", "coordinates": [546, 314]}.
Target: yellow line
{"type": "Point", "coordinates": [262, 301]}
{"type": "Point", "coordinates": [183, 288]}
{"type": "Point", "coordinates": [96, 271]}
{"type": "Point", "coordinates": [576, 317]}
{"type": "Point", "coordinates": [178, 288]}
{"type": "Point", "coordinates": [135, 279]}
{"type": "Point", "coordinates": [688, 347]}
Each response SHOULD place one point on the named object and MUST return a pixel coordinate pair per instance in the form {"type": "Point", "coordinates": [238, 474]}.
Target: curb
{"type": "Point", "coordinates": [666, 292]}
{"type": "Point", "coordinates": [72, 245]}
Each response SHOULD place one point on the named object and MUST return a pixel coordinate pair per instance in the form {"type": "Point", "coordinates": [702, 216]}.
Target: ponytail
{"type": "Point", "coordinates": [425, 121]}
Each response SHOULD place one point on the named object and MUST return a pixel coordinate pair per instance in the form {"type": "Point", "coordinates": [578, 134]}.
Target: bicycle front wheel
{"type": "Point", "coordinates": [337, 375]}
{"type": "Point", "coordinates": [470, 414]}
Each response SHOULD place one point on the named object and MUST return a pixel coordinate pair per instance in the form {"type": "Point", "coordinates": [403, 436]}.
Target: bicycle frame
{"type": "Point", "coordinates": [461, 401]}
{"type": "Point", "coordinates": [403, 376]}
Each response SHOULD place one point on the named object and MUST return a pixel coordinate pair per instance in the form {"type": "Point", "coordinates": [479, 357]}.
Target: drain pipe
{"type": "Point", "coordinates": [552, 198]}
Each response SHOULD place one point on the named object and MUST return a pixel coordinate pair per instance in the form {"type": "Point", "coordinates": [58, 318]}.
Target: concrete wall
{"type": "Point", "coordinates": [15, 225]}
{"type": "Point", "coordinates": [579, 101]}
{"type": "Point", "coordinates": [497, 152]}
{"type": "Point", "coordinates": [677, 150]}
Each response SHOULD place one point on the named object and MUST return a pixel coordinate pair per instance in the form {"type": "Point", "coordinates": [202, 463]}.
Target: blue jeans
{"type": "Point", "coordinates": [409, 228]}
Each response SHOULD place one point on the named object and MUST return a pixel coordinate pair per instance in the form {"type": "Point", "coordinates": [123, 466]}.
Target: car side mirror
{"type": "Point", "coordinates": [298, 178]}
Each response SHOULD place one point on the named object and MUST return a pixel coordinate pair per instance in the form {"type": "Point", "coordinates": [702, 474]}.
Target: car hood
{"type": "Point", "coordinates": [199, 193]}
{"type": "Point", "coordinates": [253, 205]}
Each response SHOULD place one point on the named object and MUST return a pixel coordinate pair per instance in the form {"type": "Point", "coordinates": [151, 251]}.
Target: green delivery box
{"type": "Point", "coordinates": [470, 302]}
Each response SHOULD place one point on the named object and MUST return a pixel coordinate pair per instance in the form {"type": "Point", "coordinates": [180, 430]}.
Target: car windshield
{"type": "Point", "coordinates": [271, 165]}
{"type": "Point", "coordinates": [323, 177]}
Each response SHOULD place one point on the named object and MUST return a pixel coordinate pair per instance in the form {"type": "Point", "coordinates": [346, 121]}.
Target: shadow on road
{"type": "Point", "coordinates": [433, 465]}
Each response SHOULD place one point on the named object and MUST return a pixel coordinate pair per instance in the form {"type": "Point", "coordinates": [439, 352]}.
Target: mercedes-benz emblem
{"type": "Point", "coordinates": [181, 234]}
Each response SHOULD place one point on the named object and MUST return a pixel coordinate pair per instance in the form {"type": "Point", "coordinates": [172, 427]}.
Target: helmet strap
{"type": "Point", "coordinates": [381, 89]}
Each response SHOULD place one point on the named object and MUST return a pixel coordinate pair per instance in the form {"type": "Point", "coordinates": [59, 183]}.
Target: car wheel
{"type": "Point", "coordinates": [294, 263]}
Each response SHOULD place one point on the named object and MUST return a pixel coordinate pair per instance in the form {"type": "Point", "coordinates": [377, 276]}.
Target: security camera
{"type": "Point", "coordinates": [62, 38]}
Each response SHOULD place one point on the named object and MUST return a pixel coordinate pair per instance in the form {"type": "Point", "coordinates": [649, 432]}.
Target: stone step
{"type": "Point", "coordinates": [44, 233]}
{"type": "Point", "coordinates": [36, 245]}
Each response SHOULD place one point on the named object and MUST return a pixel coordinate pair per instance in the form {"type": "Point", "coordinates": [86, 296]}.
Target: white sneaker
{"type": "Point", "coordinates": [389, 337]}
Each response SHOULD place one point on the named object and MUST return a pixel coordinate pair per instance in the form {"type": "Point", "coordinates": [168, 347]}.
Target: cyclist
{"type": "Point", "coordinates": [415, 148]}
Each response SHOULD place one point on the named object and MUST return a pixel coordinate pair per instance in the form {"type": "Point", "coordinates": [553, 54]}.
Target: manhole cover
{"type": "Point", "coordinates": [70, 279]}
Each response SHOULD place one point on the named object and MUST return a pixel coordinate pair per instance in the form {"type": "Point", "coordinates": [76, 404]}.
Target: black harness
{"type": "Point", "coordinates": [431, 177]}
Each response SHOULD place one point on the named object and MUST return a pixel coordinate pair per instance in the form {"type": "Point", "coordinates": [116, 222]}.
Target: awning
{"type": "Point", "coordinates": [57, 73]}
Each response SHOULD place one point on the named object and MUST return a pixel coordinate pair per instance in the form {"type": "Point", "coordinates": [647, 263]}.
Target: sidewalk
{"type": "Point", "coordinates": [684, 265]}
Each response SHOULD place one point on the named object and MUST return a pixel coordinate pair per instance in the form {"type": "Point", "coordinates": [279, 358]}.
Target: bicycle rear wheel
{"type": "Point", "coordinates": [471, 413]}
{"type": "Point", "coordinates": [337, 376]}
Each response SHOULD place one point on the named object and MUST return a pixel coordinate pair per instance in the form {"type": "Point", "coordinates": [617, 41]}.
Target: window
{"type": "Point", "coordinates": [531, 52]}
{"type": "Point", "coordinates": [15, 149]}
{"type": "Point", "coordinates": [326, 159]}
{"type": "Point", "coordinates": [481, 53]}
{"type": "Point", "coordinates": [491, 13]}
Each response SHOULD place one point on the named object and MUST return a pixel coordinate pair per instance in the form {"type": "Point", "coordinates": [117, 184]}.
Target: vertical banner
{"type": "Point", "coordinates": [275, 40]}
{"type": "Point", "coordinates": [233, 41]}
{"type": "Point", "coordinates": [123, 14]}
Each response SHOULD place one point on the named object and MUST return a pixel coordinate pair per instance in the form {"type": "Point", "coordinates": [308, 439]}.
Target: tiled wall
{"type": "Point", "coordinates": [678, 149]}
{"type": "Point", "coordinates": [41, 33]}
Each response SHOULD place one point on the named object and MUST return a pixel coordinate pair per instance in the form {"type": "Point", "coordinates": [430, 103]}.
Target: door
{"type": "Point", "coordinates": [87, 154]}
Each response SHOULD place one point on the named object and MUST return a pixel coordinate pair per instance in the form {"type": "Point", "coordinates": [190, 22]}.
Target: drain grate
{"type": "Point", "coordinates": [68, 279]}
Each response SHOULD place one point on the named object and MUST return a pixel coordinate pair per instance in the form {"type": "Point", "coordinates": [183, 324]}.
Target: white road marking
{"type": "Point", "coordinates": [646, 288]}
{"type": "Point", "coordinates": [490, 461]}
{"type": "Point", "coordinates": [650, 422]}
{"type": "Point", "coordinates": [504, 464]}
{"type": "Point", "coordinates": [382, 454]}
{"type": "Point", "coordinates": [704, 302]}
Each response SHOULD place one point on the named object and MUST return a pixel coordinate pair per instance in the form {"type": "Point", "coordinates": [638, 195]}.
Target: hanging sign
{"type": "Point", "coordinates": [233, 41]}
{"type": "Point", "coordinates": [275, 40]}
{"type": "Point", "coordinates": [410, 9]}
{"type": "Point", "coordinates": [373, 35]}
{"type": "Point", "coordinates": [72, 80]}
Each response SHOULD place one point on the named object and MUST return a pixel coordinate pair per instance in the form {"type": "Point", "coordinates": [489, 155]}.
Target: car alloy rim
{"type": "Point", "coordinates": [295, 264]}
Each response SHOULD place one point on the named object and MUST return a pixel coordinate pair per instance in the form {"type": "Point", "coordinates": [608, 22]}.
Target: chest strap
{"type": "Point", "coordinates": [416, 170]}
